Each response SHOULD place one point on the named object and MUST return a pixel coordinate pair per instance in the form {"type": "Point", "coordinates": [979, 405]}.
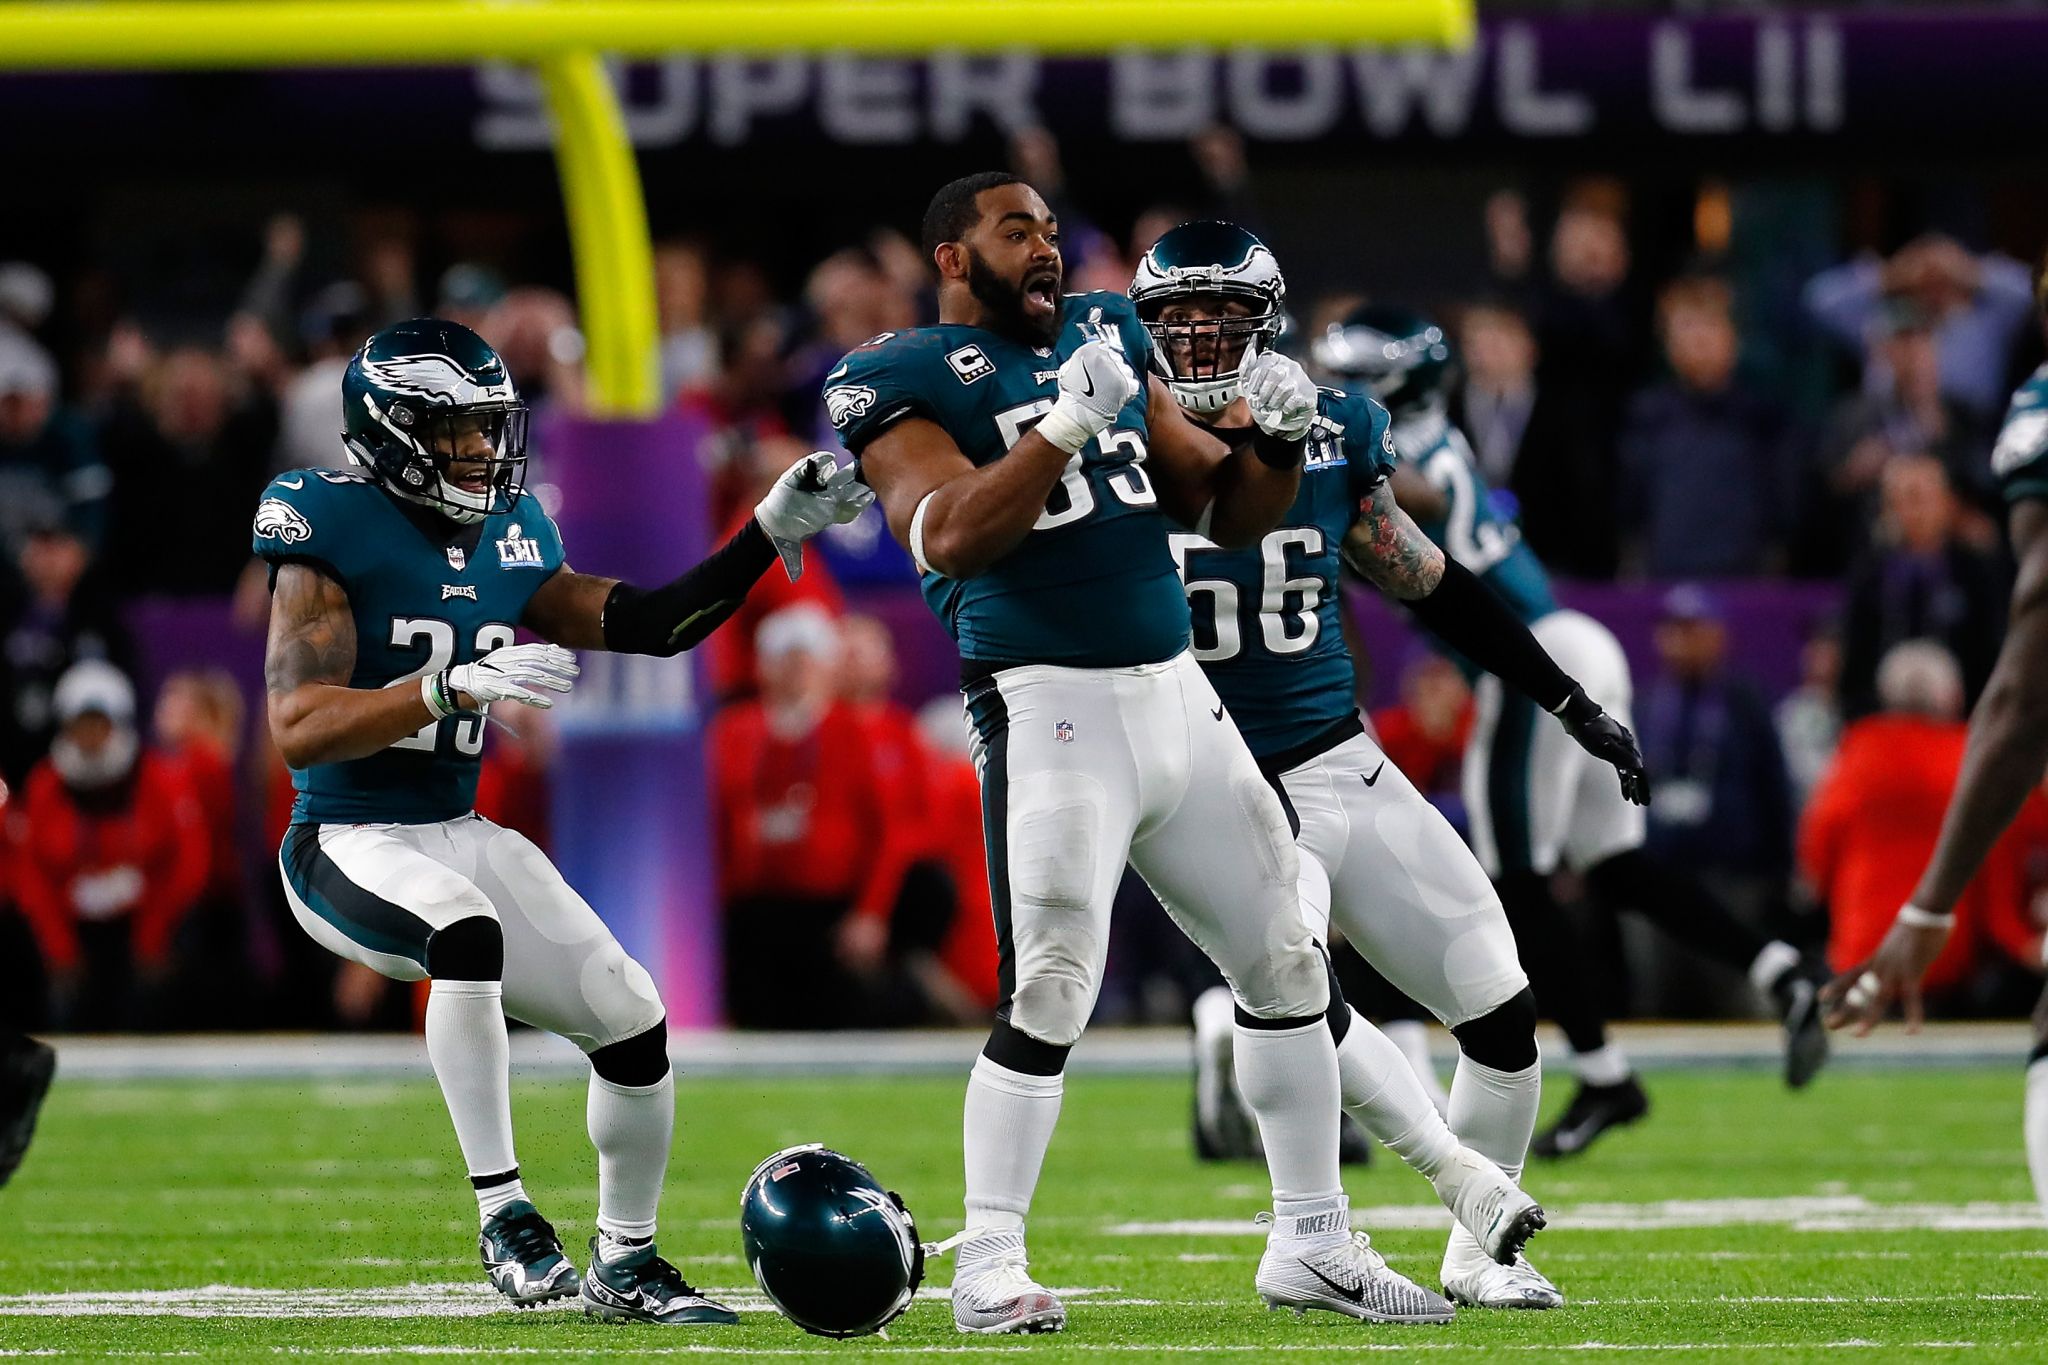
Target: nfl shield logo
{"type": "Point", "coordinates": [1064, 732]}
{"type": "Point", "coordinates": [457, 558]}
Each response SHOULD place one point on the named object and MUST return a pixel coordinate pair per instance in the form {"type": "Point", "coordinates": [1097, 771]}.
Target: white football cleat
{"type": "Point", "coordinates": [1489, 1205]}
{"type": "Point", "coordinates": [993, 1292]}
{"type": "Point", "coordinates": [1486, 1284]}
{"type": "Point", "coordinates": [1346, 1277]}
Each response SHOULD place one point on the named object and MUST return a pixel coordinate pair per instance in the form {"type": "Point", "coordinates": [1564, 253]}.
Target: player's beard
{"type": "Point", "coordinates": [1005, 303]}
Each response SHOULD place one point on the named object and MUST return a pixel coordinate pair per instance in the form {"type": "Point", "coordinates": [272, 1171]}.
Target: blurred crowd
{"type": "Point", "coordinates": [1641, 424]}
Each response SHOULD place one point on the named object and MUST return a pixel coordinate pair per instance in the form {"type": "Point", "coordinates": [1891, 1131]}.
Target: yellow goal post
{"type": "Point", "coordinates": [601, 192]}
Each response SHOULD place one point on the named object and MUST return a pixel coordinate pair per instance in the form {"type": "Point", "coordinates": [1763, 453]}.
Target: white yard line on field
{"type": "Point", "coordinates": [464, 1299]}
{"type": "Point", "coordinates": [1120, 1347]}
{"type": "Point", "coordinates": [1831, 1213]}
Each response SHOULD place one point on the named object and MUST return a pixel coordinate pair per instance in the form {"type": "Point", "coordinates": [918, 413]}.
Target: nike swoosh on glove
{"type": "Point", "coordinates": [1095, 383]}
{"type": "Point", "coordinates": [1608, 740]}
{"type": "Point", "coordinates": [520, 673]}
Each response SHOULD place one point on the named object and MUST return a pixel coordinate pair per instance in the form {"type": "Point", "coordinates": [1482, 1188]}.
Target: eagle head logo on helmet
{"type": "Point", "coordinates": [832, 1249]}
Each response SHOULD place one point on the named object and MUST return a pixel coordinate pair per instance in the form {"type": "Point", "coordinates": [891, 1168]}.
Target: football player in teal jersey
{"type": "Point", "coordinates": [1377, 859]}
{"type": "Point", "coordinates": [1535, 801]}
{"type": "Point", "coordinates": [1034, 478]}
{"type": "Point", "coordinates": [396, 591]}
{"type": "Point", "coordinates": [2006, 754]}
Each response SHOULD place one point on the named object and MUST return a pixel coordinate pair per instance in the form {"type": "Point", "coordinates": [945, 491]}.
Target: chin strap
{"type": "Point", "coordinates": [941, 1248]}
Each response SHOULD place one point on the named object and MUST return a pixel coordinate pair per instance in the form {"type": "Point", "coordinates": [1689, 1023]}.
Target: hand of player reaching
{"type": "Point", "coordinates": [1862, 994]}
{"type": "Point", "coordinates": [520, 673]}
{"type": "Point", "coordinates": [1095, 383]}
{"type": "Point", "coordinates": [1279, 392]}
{"type": "Point", "coordinates": [815, 492]}
{"type": "Point", "coordinates": [1608, 740]}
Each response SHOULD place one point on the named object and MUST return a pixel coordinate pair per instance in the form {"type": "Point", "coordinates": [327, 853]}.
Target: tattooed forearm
{"type": "Point", "coordinates": [312, 632]}
{"type": "Point", "coordinates": [1389, 551]}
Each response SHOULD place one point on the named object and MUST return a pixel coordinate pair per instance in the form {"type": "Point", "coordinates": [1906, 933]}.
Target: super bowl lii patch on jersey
{"type": "Point", "coordinates": [519, 551]}
{"type": "Point", "coordinates": [1063, 731]}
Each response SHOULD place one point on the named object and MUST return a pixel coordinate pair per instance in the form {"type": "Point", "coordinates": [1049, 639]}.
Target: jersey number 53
{"type": "Point", "coordinates": [1074, 497]}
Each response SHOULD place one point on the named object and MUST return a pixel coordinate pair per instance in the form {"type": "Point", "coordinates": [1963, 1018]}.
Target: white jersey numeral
{"type": "Point", "coordinates": [408, 632]}
{"type": "Point", "coordinates": [1281, 630]}
{"type": "Point", "coordinates": [1074, 497]}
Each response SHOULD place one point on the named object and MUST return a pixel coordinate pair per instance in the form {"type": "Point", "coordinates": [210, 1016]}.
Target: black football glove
{"type": "Point", "coordinates": [1608, 740]}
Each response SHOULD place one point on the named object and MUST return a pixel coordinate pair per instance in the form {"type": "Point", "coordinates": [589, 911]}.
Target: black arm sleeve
{"type": "Point", "coordinates": [1471, 618]}
{"type": "Point", "coordinates": [670, 619]}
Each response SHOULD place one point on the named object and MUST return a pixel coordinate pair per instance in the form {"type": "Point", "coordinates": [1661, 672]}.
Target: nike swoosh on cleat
{"type": "Point", "coordinates": [1376, 773]}
{"type": "Point", "coordinates": [1356, 1295]}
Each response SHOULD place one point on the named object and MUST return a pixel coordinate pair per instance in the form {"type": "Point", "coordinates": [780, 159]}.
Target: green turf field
{"type": "Point", "coordinates": [1881, 1216]}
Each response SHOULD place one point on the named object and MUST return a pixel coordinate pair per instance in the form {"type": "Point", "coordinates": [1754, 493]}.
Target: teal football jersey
{"type": "Point", "coordinates": [425, 595]}
{"type": "Point", "coordinates": [1472, 529]}
{"type": "Point", "coordinates": [2020, 459]}
{"type": "Point", "coordinates": [1092, 585]}
{"type": "Point", "coordinates": [1267, 625]}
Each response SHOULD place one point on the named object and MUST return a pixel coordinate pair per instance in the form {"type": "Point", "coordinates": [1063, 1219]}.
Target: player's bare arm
{"type": "Point", "coordinates": [2004, 759]}
{"type": "Point", "coordinates": [1387, 549]}
{"type": "Point", "coordinates": [1231, 496]}
{"type": "Point", "coordinates": [953, 518]}
{"type": "Point", "coordinates": [315, 716]}
{"type": "Point", "coordinates": [586, 611]}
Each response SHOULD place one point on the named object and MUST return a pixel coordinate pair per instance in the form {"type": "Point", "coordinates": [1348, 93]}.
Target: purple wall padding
{"type": "Point", "coordinates": [632, 824]}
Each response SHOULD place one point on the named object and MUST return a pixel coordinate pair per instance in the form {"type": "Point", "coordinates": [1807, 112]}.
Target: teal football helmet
{"type": "Point", "coordinates": [836, 1252]}
{"type": "Point", "coordinates": [1205, 266]}
{"type": "Point", "coordinates": [427, 406]}
{"type": "Point", "coordinates": [1400, 355]}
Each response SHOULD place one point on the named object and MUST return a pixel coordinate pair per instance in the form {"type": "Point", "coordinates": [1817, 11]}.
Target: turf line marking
{"type": "Point", "coordinates": [1801, 1213]}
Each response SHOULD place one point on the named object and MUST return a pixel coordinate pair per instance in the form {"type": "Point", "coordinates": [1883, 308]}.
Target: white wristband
{"type": "Point", "coordinates": [1913, 917]}
{"type": "Point", "coordinates": [431, 692]}
{"type": "Point", "coordinates": [1065, 430]}
{"type": "Point", "coordinates": [917, 533]}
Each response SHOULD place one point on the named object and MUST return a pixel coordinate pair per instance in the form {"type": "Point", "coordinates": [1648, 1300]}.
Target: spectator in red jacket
{"type": "Point", "coordinates": [969, 952]}
{"type": "Point", "coordinates": [113, 855]}
{"type": "Point", "coordinates": [803, 831]}
{"type": "Point", "coordinates": [1873, 820]}
{"type": "Point", "coordinates": [1425, 733]}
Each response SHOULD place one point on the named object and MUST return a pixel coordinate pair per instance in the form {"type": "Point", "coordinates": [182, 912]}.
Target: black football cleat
{"type": "Point", "coordinates": [641, 1287]}
{"type": "Point", "coordinates": [1593, 1110]}
{"type": "Point", "coordinates": [523, 1257]}
{"type": "Point", "coordinates": [26, 1067]}
{"type": "Point", "coordinates": [1797, 996]}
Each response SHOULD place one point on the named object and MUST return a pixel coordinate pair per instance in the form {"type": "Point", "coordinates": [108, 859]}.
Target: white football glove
{"type": "Point", "coordinates": [520, 673]}
{"type": "Point", "coordinates": [1095, 383]}
{"type": "Point", "coordinates": [1280, 394]}
{"type": "Point", "coordinates": [815, 492]}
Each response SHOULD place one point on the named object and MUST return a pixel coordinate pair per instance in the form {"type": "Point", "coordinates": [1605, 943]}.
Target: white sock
{"type": "Point", "coordinates": [1288, 1078]}
{"type": "Point", "coordinates": [2035, 1127]}
{"type": "Point", "coordinates": [1412, 1037]}
{"type": "Point", "coordinates": [492, 1199]}
{"type": "Point", "coordinates": [631, 1127]}
{"type": "Point", "coordinates": [1606, 1065]}
{"type": "Point", "coordinates": [1007, 1127]}
{"type": "Point", "coordinates": [1494, 1112]}
{"type": "Point", "coordinates": [473, 1062]}
{"type": "Point", "coordinates": [1380, 1089]}
{"type": "Point", "coordinates": [1772, 962]}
